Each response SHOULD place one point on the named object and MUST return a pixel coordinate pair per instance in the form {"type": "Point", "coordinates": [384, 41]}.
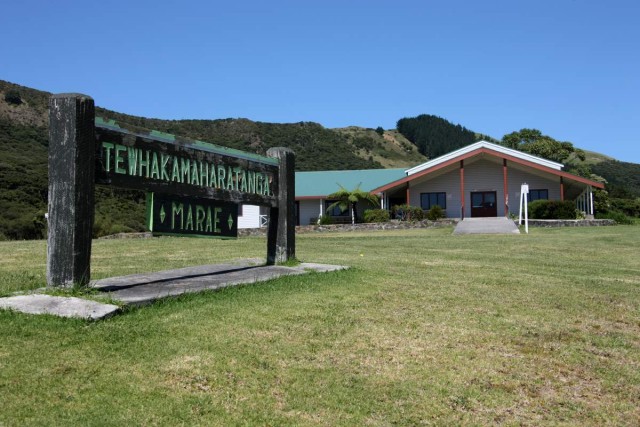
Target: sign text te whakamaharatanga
{"type": "Point", "coordinates": [139, 162]}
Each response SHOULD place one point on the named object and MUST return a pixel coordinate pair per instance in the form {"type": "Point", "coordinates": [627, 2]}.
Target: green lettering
{"type": "Point", "coordinates": [185, 170]}
{"type": "Point", "coordinates": [251, 187]}
{"type": "Point", "coordinates": [243, 179]}
{"type": "Point", "coordinates": [155, 168]}
{"type": "Point", "coordinates": [144, 164]}
{"type": "Point", "coordinates": [177, 210]}
{"type": "Point", "coordinates": [132, 154]}
{"type": "Point", "coordinates": [208, 227]}
{"type": "Point", "coordinates": [200, 216]}
{"type": "Point", "coordinates": [107, 155]}
{"type": "Point", "coordinates": [236, 182]}
{"type": "Point", "coordinates": [216, 220]}
{"type": "Point", "coordinates": [221, 175]}
{"type": "Point", "coordinates": [120, 159]}
{"type": "Point", "coordinates": [204, 174]}
{"type": "Point", "coordinates": [229, 179]}
{"type": "Point", "coordinates": [175, 174]}
{"type": "Point", "coordinates": [164, 159]}
{"type": "Point", "coordinates": [267, 182]}
{"type": "Point", "coordinates": [195, 175]}
{"type": "Point", "coordinates": [189, 223]}
{"type": "Point", "coordinates": [259, 178]}
{"type": "Point", "coordinates": [212, 177]}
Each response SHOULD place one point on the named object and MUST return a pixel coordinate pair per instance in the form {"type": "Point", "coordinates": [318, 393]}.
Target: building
{"type": "Point", "coordinates": [479, 180]}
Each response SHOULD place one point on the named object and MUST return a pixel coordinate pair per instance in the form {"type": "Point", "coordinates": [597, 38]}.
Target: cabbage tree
{"type": "Point", "coordinates": [345, 199]}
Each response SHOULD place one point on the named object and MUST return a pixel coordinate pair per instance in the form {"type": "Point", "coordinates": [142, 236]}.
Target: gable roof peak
{"type": "Point", "coordinates": [498, 149]}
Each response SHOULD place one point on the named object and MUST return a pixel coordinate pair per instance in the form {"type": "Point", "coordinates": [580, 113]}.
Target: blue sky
{"type": "Point", "coordinates": [568, 68]}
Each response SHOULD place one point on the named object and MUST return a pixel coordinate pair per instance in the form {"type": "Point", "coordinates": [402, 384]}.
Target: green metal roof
{"type": "Point", "coordinates": [322, 183]}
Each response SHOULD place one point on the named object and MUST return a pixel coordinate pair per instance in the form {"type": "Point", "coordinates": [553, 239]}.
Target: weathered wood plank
{"type": "Point", "coordinates": [183, 167]}
{"type": "Point", "coordinates": [281, 235]}
{"type": "Point", "coordinates": [71, 189]}
{"type": "Point", "coordinates": [172, 215]}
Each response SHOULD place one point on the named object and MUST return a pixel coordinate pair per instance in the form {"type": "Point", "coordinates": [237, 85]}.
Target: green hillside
{"type": "Point", "coordinates": [24, 145]}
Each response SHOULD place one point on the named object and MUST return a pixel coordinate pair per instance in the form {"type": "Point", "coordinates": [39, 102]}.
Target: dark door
{"type": "Point", "coordinates": [483, 204]}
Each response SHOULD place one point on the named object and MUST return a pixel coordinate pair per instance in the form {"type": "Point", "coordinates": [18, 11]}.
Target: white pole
{"type": "Point", "coordinates": [591, 198]}
{"type": "Point", "coordinates": [524, 191]}
{"type": "Point", "coordinates": [520, 208]}
{"type": "Point", "coordinates": [526, 215]}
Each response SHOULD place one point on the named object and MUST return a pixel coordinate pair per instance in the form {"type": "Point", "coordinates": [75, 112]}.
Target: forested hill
{"type": "Point", "coordinates": [435, 136]}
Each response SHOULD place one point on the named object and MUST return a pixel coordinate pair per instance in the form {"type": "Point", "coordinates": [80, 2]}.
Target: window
{"type": "Point", "coordinates": [335, 211]}
{"type": "Point", "coordinates": [538, 195]}
{"type": "Point", "coordinates": [428, 200]}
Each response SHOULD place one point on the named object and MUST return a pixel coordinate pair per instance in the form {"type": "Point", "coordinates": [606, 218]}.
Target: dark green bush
{"type": "Point", "coordinates": [13, 97]}
{"type": "Point", "coordinates": [552, 209]}
{"type": "Point", "coordinates": [325, 220]}
{"type": "Point", "coordinates": [630, 207]}
{"type": "Point", "coordinates": [376, 215]}
{"type": "Point", "coordinates": [617, 216]}
{"type": "Point", "coordinates": [407, 213]}
{"type": "Point", "coordinates": [435, 213]}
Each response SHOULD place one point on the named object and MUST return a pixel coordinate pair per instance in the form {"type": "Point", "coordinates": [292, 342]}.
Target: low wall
{"type": "Point", "coordinates": [391, 225]}
{"type": "Point", "coordinates": [570, 222]}
{"type": "Point", "coordinates": [394, 225]}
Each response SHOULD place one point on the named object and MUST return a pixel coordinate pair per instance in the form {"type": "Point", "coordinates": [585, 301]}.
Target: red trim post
{"type": "Point", "coordinates": [505, 187]}
{"type": "Point", "coordinates": [408, 195]}
{"type": "Point", "coordinates": [561, 189]}
{"type": "Point", "coordinates": [461, 189]}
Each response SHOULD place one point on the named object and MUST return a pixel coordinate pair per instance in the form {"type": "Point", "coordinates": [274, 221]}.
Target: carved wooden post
{"type": "Point", "coordinates": [71, 189]}
{"type": "Point", "coordinates": [281, 235]}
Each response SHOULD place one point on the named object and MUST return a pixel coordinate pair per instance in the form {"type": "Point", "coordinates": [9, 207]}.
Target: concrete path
{"type": "Point", "coordinates": [58, 306]}
{"type": "Point", "coordinates": [500, 225]}
{"type": "Point", "coordinates": [140, 289]}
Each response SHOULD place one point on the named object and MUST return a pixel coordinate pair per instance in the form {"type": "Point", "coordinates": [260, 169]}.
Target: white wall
{"type": "Point", "coordinates": [250, 217]}
{"type": "Point", "coordinates": [448, 183]}
{"type": "Point", "coordinates": [309, 209]}
{"type": "Point", "coordinates": [483, 175]}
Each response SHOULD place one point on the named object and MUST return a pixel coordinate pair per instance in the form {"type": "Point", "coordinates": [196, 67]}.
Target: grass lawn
{"type": "Point", "coordinates": [426, 328]}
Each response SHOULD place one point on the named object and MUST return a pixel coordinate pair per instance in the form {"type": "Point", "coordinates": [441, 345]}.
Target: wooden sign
{"type": "Point", "coordinates": [160, 162]}
{"type": "Point", "coordinates": [197, 186]}
{"type": "Point", "coordinates": [172, 215]}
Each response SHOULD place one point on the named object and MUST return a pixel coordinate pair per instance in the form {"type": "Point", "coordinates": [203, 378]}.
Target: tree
{"type": "Point", "coordinates": [379, 130]}
{"type": "Point", "coordinates": [13, 97]}
{"type": "Point", "coordinates": [346, 199]}
{"type": "Point", "coordinates": [532, 141]}
{"type": "Point", "coordinates": [434, 136]}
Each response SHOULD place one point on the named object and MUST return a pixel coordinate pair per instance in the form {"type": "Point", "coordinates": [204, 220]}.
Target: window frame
{"type": "Point", "coordinates": [537, 191]}
{"type": "Point", "coordinates": [437, 195]}
{"type": "Point", "coordinates": [328, 203]}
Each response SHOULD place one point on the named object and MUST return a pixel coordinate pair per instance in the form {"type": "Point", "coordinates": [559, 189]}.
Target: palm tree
{"type": "Point", "coordinates": [345, 199]}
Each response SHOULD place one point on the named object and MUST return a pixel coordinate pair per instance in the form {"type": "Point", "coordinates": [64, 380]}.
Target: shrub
{"type": "Point", "coordinates": [379, 130]}
{"type": "Point", "coordinates": [325, 220]}
{"type": "Point", "coordinates": [552, 209]}
{"type": "Point", "coordinates": [617, 216]}
{"type": "Point", "coordinates": [629, 207]}
{"type": "Point", "coordinates": [376, 215]}
{"type": "Point", "coordinates": [435, 213]}
{"type": "Point", "coordinates": [407, 213]}
{"type": "Point", "coordinates": [13, 97]}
